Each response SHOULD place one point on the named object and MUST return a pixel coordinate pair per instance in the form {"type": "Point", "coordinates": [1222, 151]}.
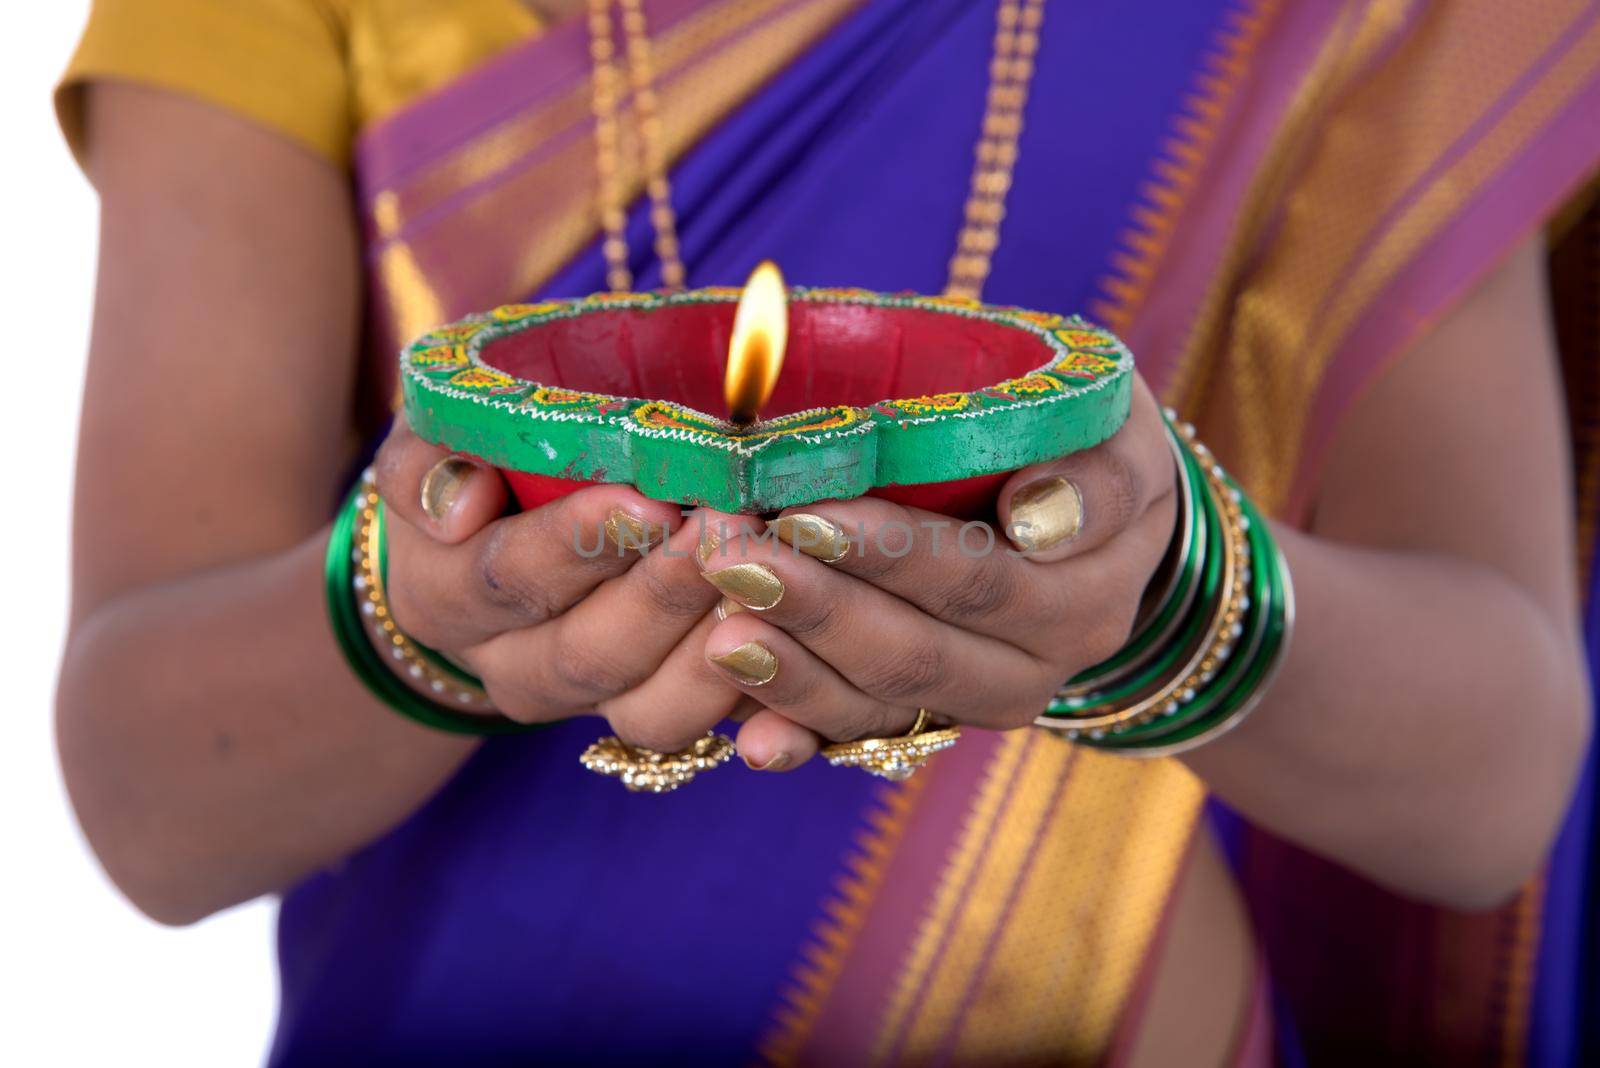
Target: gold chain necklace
{"type": "Point", "coordinates": [608, 144]}
{"type": "Point", "coordinates": [1016, 43]}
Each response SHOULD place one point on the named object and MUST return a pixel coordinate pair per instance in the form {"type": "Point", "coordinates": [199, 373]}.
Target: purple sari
{"type": "Point", "coordinates": [1003, 905]}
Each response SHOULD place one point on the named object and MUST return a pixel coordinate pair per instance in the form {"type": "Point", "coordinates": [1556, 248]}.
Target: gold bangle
{"type": "Point", "coordinates": [372, 600]}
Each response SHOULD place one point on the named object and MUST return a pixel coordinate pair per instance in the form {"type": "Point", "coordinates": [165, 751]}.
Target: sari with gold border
{"type": "Point", "coordinates": [1270, 201]}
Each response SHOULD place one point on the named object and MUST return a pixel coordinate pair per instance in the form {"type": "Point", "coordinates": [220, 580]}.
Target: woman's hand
{"type": "Point", "coordinates": [558, 610]}
{"type": "Point", "coordinates": [921, 611]}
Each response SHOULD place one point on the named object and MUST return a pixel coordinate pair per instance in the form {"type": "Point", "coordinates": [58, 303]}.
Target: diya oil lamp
{"type": "Point", "coordinates": [929, 401]}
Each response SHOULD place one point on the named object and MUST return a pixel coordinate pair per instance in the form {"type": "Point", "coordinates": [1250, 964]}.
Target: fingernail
{"type": "Point", "coordinates": [774, 763]}
{"type": "Point", "coordinates": [1045, 514]}
{"type": "Point", "coordinates": [727, 607]}
{"type": "Point", "coordinates": [629, 532]}
{"type": "Point", "coordinates": [709, 540]}
{"type": "Point", "coordinates": [751, 663]}
{"type": "Point", "coordinates": [442, 485]}
{"type": "Point", "coordinates": [812, 535]}
{"type": "Point", "coordinates": [752, 585]}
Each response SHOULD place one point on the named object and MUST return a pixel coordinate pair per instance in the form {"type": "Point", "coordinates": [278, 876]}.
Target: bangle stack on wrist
{"type": "Point", "coordinates": [1208, 643]}
{"type": "Point", "coordinates": [356, 571]}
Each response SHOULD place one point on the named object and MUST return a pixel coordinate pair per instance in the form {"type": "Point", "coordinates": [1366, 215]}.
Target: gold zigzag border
{"type": "Point", "coordinates": [844, 912]}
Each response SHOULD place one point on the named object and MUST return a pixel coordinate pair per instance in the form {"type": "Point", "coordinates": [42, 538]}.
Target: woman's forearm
{"type": "Point", "coordinates": [217, 747]}
{"type": "Point", "coordinates": [1426, 727]}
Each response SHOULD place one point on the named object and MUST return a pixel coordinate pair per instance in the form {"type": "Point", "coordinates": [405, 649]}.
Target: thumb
{"type": "Point", "coordinates": [1042, 510]}
{"type": "Point", "coordinates": [1067, 507]}
{"type": "Point", "coordinates": [447, 496]}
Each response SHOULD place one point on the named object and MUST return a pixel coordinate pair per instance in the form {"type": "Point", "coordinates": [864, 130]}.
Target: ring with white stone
{"type": "Point", "coordinates": [895, 759]}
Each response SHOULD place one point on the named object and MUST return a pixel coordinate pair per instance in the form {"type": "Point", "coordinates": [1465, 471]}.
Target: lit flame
{"type": "Point", "coordinates": [760, 332]}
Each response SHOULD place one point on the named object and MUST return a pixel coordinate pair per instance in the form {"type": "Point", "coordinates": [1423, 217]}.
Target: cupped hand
{"type": "Point", "coordinates": [868, 610]}
{"type": "Point", "coordinates": [558, 609]}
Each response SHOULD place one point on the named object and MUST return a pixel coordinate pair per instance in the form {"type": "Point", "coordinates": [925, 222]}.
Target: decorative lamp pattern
{"type": "Point", "coordinates": [553, 394]}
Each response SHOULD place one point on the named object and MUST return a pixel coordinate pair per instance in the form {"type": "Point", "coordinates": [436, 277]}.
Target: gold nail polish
{"type": "Point", "coordinates": [752, 585]}
{"type": "Point", "coordinates": [751, 663]}
{"type": "Point", "coordinates": [812, 535]}
{"type": "Point", "coordinates": [442, 485]}
{"type": "Point", "coordinates": [1045, 514]}
{"type": "Point", "coordinates": [629, 532]}
{"type": "Point", "coordinates": [710, 540]}
{"type": "Point", "coordinates": [727, 607]}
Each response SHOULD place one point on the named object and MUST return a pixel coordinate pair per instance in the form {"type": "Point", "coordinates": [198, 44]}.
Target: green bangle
{"type": "Point", "coordinates": [1230, 702]}
{"type": "Point", "coordinates": [1215, 631]}
{"type": "Point", "coordinates": [1242, 700]}
{"type": "Point", "coordinates": [1264, 602]}
{"type": "Point", "coordinates": [1189, 548]}
{"type": "Point", "coordinates": [364, 660]}
{"type": "Point", "coordinates": [1257, 610]}
{"type": "Point", "coordinates": [440, 663]}
{"type": "Point", "coordinates": [1191, 631]}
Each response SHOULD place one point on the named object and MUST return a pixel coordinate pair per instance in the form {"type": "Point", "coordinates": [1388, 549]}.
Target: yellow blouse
{"type": "Point", "coordinates": [314, 70]}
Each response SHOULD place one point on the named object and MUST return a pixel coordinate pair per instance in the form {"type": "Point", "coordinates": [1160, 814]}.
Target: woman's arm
{"type": "Point", "coordinates": [1428, 724]}
{"type": "Point", "coordinates": [214, 743]}
{"type": "Point", "coordinates": [1432, 713]}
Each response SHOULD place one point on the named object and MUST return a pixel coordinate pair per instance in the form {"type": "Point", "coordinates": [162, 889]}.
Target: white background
{"type": "Point", "coordinates": [85, 980]}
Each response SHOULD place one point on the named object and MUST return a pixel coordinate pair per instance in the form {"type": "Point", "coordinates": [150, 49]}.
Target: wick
{"type": "Point", "coordinates": [743, 420]}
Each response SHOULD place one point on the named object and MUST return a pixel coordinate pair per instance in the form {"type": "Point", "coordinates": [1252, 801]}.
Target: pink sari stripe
{"type": "Point", "coordinates": [1159, 329]}
{"type": "Point", "coordinates": [397, 147]}
{"type": "Point", "coordinates": [566, 52]}
{"type": "Point", "coordinates": [1444, 161]}
{"type": "Point", "coordinates": [857, 1003]}
{"type": "Point", "coordinates": [1507, 211]}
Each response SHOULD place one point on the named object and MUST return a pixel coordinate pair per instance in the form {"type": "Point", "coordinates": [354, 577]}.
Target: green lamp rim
{"type": "Point", "coordinates": [1075, 398]}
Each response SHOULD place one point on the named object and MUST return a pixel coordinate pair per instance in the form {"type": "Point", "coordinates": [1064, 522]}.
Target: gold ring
{"type": "Point", "coordinates": [648, 771]}
{"type": "Point", "coordinates": [895, 759]}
